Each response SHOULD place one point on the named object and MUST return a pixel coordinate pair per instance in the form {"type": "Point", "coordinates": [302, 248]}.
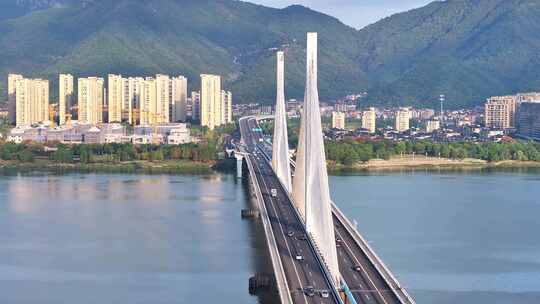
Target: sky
{"type": "Point", "coordinates": [356, 13]}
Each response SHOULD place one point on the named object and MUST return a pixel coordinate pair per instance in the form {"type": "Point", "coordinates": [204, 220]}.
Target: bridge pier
{"type": "Point", "coordinates": [239, 162]}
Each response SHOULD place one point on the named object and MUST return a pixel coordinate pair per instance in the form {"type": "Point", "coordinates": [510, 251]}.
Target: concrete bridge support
{"type": "Point", "coordinates": [239, 163]}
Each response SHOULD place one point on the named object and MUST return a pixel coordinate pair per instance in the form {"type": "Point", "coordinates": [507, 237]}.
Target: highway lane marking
{"type": "Point", "coordinates": [283, 234]}
{"type": "Point", "coordinates": [362, 267]}
{"type": "Point", "coordinates": [307, 266]}
{"type": "Point", "coordinates": [279, 221]}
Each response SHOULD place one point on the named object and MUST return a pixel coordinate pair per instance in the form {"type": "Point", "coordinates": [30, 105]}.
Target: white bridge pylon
{"type": "Point", "coordinates": [311, 192]}
{"type": "Point", "coordinates": [281, 162]}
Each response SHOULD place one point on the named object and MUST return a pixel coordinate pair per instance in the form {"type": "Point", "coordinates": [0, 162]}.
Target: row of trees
{"type": "Point", "coordinates": [350, 152]}
{"type": "Point", "coordinates": [28, 152]}
{"type": "Point", "coordinates": [206, 151]}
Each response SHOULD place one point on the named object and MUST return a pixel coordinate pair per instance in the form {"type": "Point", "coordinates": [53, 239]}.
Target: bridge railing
{"type": "Point", "coordinates": [322, 265]}
{"type": "Point", "coordinates": [374, 259]}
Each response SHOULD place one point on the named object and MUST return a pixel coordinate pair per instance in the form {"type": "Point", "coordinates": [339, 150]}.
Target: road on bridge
{"type": "Point", "coordinates": [362, 277]}
{"type": "Point", "coordinates": [288, 230]}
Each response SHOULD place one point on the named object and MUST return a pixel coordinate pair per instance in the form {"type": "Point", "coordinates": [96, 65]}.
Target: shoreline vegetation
{"type": "Point", "coordinates": [146, 167]}
{"type": "Point", "coordinates": [353, 155]}
{"type": "Point", "coordinates": [203, 157]}
{"type": "Point", "coordinates": [423, 163]}
{"type": "Point", "coordinates": [345, 156]}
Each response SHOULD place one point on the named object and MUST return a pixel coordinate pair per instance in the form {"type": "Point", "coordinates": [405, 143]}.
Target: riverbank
{"type": "Point", "coordinates": [147, 167]}
{"type": "Point", "coordinates": [429, 163]}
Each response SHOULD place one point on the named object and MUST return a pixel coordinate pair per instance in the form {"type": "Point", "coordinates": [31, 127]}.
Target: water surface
{"type": "Point", "coordinates": [126, 239]}
{"type": "Point", "coordinates": [100, 238]}
{"type": "Point", "coordinates": [451, 237]}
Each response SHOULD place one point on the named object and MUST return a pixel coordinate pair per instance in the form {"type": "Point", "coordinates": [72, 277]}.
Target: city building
{"type": "Point", "coordinates": [65, 98]}
{"type": "Point", "coordinates": [12, 97]}
{"type": "Point", "coordinates": [500, 112]}
{"type": "Point", "coordinates": [148, 109]}
{"type": "Point", "coordinates": [531, 96]}
{"type": "Point", "coordinates": [369, 120]}
{"type": "Point", "coordinates": [31, 101]}
{"type": "Point", "coordinates": [211, 101]}
{"type": "Point", "coordinates": [528, 120]}
{"type": "Point", "coordinates": [179, 99]}
{"type": "Point", "coordinates": [196, 106]}
{"type": "Point", "coordinates": [162, 98]}
{"type": "Point", "coordinates": [432, 125]}
{"type": "Point", "coordinates": [338, 120]}
{"type": "Point", "coordinates": [131, 103]}
{"type": "Point", "coordinates": [115, 90]}
{"type": "Point", "coordinates": [402, 120]}
{"type": "Point", "coordinates": [422, 114]}
{"type": "Point", "coordinates": [226, 97]}
{"type": "Point", "coordinates": [90, 98]}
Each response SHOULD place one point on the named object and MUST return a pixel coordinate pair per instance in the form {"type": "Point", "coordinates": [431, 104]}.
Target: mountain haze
{"type": "Point", "coordinates": [466, 49]}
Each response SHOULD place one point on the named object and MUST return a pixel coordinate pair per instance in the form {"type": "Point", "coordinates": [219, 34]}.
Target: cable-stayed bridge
{"type": "Point", "coordinates": [317, 254]}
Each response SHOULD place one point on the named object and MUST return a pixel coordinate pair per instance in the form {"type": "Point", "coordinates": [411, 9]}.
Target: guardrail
{"type": "Point", "coordinates": [374, 259]}
{"type": "Point", "coordinates": [281, 280]}
{"type": "Point", "coordinates": [313, 248]}
{"type": "Point", "coordinates": [400, 292]}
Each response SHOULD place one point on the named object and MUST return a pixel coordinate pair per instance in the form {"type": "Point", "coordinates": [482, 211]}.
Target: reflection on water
{"type": "Point", "coordinates": [460, 237]}
{"type": "Point", "coordinates": [127, 239]}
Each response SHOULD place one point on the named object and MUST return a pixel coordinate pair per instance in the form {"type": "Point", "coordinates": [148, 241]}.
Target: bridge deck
{"type": "Point", "coordinates": [300, 273]}
{"type": "Point", "coordinates": [366, 276]}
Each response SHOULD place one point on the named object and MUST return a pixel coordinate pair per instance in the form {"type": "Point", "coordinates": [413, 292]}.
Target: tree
{"type": "Point", "coordinates": [25, 156]}
{"type": "Point", "coordinates": [63, 155]}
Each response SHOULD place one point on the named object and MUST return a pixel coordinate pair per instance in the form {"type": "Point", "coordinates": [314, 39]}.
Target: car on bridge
{"type": "Point", "coordinates": [324, 293]}
{"type": "Point", "coordinates": [309, 291]}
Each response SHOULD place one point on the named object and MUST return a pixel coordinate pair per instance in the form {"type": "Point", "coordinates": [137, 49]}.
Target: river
{"type": "Point", "coordinates": [100, 238]}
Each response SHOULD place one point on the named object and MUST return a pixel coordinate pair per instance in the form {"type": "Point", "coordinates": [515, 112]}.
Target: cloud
{"type": "Point", "coordinates": [356, 13]}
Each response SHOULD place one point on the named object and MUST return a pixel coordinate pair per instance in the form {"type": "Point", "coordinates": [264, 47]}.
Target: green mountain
{"type": "Point", "coordinates": [466, 49]}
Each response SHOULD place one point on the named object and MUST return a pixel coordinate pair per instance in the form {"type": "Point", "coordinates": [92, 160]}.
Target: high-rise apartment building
{"type": "Point", "coordinates": [162, 98]}
{"type": "Point", "coordinates": [196, 106]}
{"type": "Point", "coordinates": [131, 103]}
{"type": "Point", "coordinates": [226, 97]}
{"type": "Point", "coordinates": [403, 120]}
{"type": "Point", "coordinates": [528, 119]}
{"type": "Point", "coordinates": [211, 101]}
{"type": "Point", "coordinates": [148, 112]}
{"type": "Point", "coordinates": [90, 98]}
{"type": "Point", "coordinates": [369, 120]}
{"type": "Point", "coordinates": [65, 98]}
{"type": "Point", "coordinates": [178, 98]}
{"type": "Point", "coordinates": [338, 120]}
{"type": "Point", "coordinates": [500, 112]}
{"type": "Point", "coordinates": [31, 101]}
{"type": "Point", "coordinates": [115, 91]}
{"type": "Point", "coordinates": [12, 97]}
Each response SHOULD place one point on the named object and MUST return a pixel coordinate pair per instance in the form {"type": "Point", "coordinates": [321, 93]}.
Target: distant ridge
{"type": "Point", "coordinates": [466, 49]}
